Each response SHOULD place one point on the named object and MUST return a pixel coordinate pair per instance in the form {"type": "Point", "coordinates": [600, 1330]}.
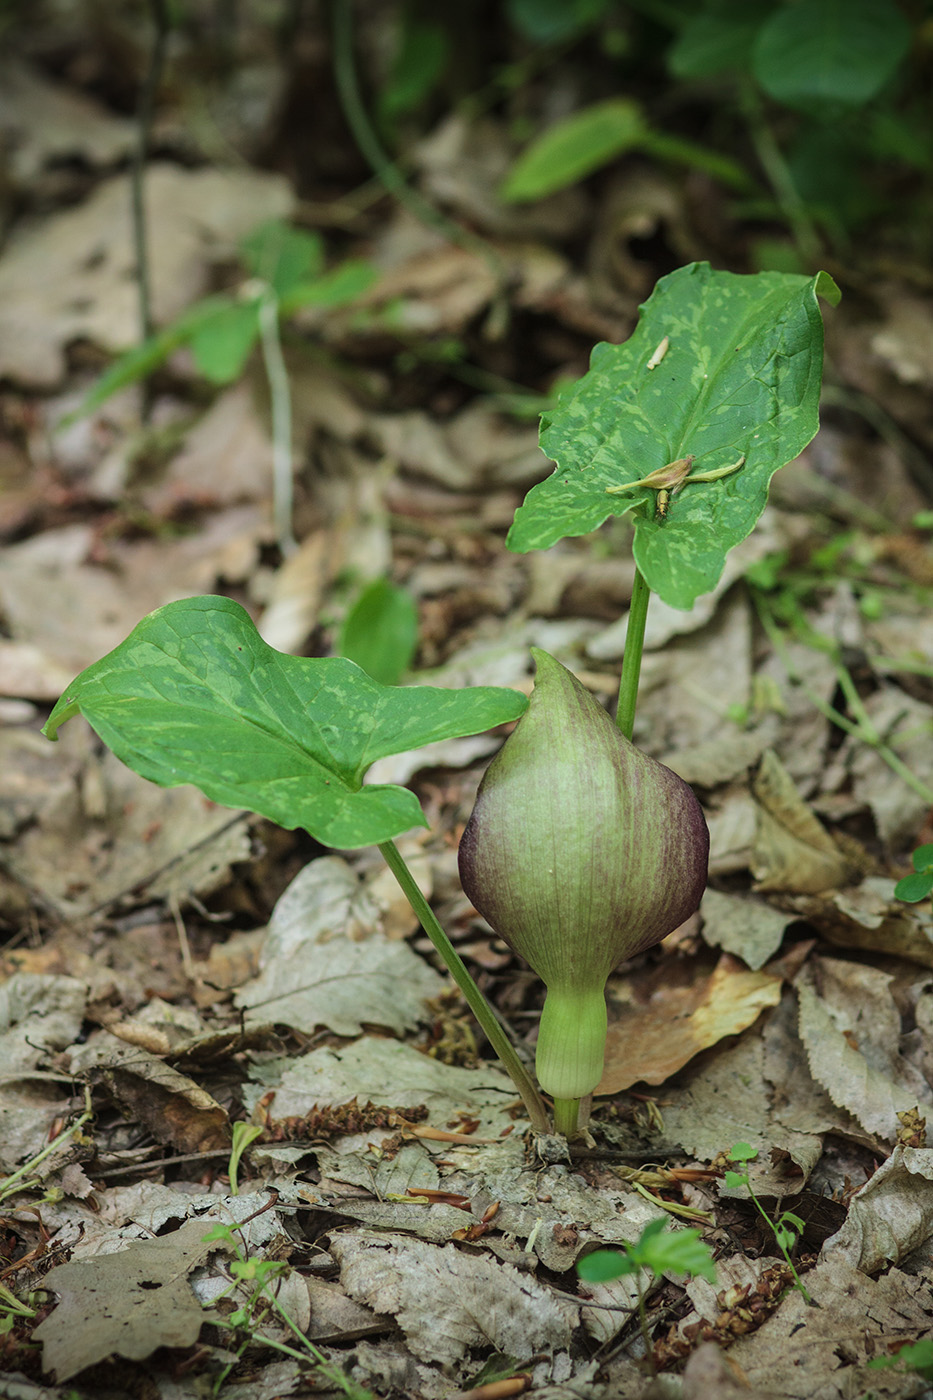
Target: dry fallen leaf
{"type": "Point", "coordinates": [891, 1216]}
{"type": "Point", "coordinates": [192, 215]}
{"type": "Point", "coordinates": [126, 1303]}
{"type": "Point", "coordinates": [793, 851]}
{"type": "Point", "coordinates": [175, 1110]}
{"type": "Point", "coordinates": [447, 1301]}
{"type": "Point", "coordinates": [655, 1028]}
{"type": "Point", "coordinates": [851, 1028]}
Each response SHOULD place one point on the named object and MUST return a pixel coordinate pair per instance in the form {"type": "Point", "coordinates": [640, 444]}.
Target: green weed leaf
{"type": "Point", "coordinates": [342, 284]}
{"type": "Point", "coordinates": [839, 51]}
{"type": "Point", "coordinates": [221, 343]}
{"type": "Point", "coordinates": [380, 632]}
{"type": "Point", "coordinates": [574, 148]}
{"type": "Point", "coordinates": [194, 695]}
{"type": "Point", "coordinates": [419, 64]}
{"type": "Point", "coordinates": [740, 377]}
{"type": "Point", "coordinates": [283, 256]}
{"type": "Point", "coordinates": [913, 888]}
{"type": "Point", "coordinates": [658, 1249]}
{"type": "Point", "coordinates": [743, 1152]}
{"type": "Point", "coordinates": [716, 40]}
{"type": "Point", "coordinates": [922, 858]}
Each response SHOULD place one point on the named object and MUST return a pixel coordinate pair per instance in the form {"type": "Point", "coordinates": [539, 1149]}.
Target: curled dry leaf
{"type": "Point", "coordinates": [656, 1028]}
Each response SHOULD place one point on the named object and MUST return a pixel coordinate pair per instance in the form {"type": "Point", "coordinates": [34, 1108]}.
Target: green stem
{"type": "Point", "coordinates": [778, 173]}
{"type": "Point", "coordinates": [388, 174]}
{"type": "Point", "coordinates": [645, 1329]}
{"type": "Point", "coordinates": [478, 1004]}
{"type": "Point", "coordinates": [566, 1116]}
{"type": "Point", "coordinates": [869, 735]}
{"type": "Point", "coordinates": [631, 660]}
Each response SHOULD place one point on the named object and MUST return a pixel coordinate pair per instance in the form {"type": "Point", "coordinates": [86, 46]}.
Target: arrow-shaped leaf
{"type": "Point", "coordinates": [194, 695]}
{"type": "Point", "coordinates": [720, 367]}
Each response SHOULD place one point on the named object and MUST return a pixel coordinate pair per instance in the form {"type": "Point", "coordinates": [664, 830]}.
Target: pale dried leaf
{"type": "Point", "coordinates": [806, 1352]}
{"type": "Point", "coordinates": [746, 927]}
{"type": "Point", "coordinates": [42, 123]}
{"type": "Point", "coordinates": [891, 1216]}
{"type": "Point", "coordinates": [191, 215]}
{"type": "Point", "coordinates": [325, 962]}
{"type": "Point", "coordinates": [226, 458]}
{"type": "Point", "coordinates": [126, 1303]}
{"type": "Point", "coordinates": [850, 1027]}
{"type": "Point", "coordinates": [447, 1302]}
{"type": "Point", "coordinates": [372, 1069]}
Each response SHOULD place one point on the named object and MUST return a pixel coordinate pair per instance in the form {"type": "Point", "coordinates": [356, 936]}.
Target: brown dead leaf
{"type": "Point", "coordinates": [793, 851]}
{"type": "Point", "coordinates": [656, 1028]}
{"type": "Point", "coordinates": [191, 215]}
{"type": "Point", "coordinates": [173, 1108]}
{"type": "Point", "coordinates": [868, 917]}
{"type": "Point", "coordinates": [127, 1303]}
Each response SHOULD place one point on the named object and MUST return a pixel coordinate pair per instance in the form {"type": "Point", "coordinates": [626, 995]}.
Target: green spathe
{"type": "Point", "coordinates": [581, 851]}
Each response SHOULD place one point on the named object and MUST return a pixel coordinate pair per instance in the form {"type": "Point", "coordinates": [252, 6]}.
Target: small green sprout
{"type": "Point", "coordinates": [788, 1227]}
{"type": "Point", "coordinates": [243, 1135]}
{"type": "Point", "coordinates": [917, 886]}
{"type": "Point", "coordinates": [915, 1356]}
{"type": "Point", "coordinates": [659, 1250]}
{"type": "Point", "coordinates": [256, 1277]}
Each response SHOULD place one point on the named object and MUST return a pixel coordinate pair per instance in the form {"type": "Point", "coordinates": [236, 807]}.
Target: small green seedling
{"type": "Point", "coordinates": [917, 886]}
{"type": "Point", "coordinates": [256, 1278]}
{"type": "Point", "coordinates": [659, 1250]}
{"type": "Point", "coordinates": [243, 1135]}
{"type": "Point", "coordinates": [284, 265]}
{"type": "Point", "coordinates": [788, 1227]}
{"type": "Point", "coordinates": [915, 1356]}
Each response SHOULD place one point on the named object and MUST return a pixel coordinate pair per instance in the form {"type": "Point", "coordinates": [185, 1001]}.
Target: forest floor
{"type": "Point", "coordinates": [170, 969]}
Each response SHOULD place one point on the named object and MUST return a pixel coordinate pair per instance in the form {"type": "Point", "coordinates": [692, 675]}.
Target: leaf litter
{"type": "Point", "coordinates": [190, 975]}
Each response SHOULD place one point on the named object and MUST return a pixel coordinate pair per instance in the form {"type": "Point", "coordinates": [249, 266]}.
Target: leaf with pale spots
{"type": "Point", "coordinates": [194, 695]}
{"type": "Point", "coordinates": [740, 377]}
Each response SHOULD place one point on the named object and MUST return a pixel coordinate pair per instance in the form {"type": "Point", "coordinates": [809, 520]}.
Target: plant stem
{"type": "Point", "coordinates": [388, 174]}
{"type": "Point", "coordinates": [631, 660]}
{"type": "Point", "coordinates": [778, 173]}
{"type": "Point", "coordinates": [566, 1116]}
{"type": "Point", "coordinates": [645, 1329]}
{"type": "Point", "coordinates": [478, 1004]}
{"type": "Point", "coordinates": [281, 407]}
{"type": "Point", "coordinates": [861, 728]}
{"type": "Point", "coordinates": [144, 115]}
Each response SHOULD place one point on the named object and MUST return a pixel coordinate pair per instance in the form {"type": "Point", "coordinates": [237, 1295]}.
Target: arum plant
{"type": "Point", "coordinates": [581, 850]}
